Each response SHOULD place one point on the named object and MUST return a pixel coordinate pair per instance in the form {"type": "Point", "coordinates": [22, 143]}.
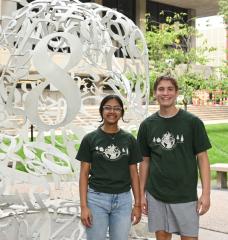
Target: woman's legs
{"type": "Point", "coordinates": [109, 210]}
{"type": "Point", "coordinates": [120, 216]}
{"type": "Point", "coordinates": [99, 204]}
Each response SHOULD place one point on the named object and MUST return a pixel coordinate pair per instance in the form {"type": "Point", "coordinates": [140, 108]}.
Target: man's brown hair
{"type": "Point", "coordinates": [167, 78]}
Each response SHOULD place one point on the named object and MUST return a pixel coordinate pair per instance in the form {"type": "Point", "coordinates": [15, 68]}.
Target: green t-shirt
{"type": "Point", "coordinates": [172, 145]}
{"type": "Point", "coordinates": [110, 156]}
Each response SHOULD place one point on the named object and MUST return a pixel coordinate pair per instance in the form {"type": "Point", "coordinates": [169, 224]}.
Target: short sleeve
{"type": "Point", "coordinates": [84, 153]}
{"type": "Point", "coordinates": [135, 154]}
{"type": "Point", "coordinates": [201, 141]}
{"type": "Point", "coordinates": [142, 140]}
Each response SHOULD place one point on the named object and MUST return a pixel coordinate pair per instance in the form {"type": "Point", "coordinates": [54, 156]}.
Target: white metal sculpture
{"type": "Point", "coordinates": [70, 48]}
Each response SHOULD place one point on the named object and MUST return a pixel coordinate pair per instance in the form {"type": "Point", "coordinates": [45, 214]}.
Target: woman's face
{"type": "Point", "coordinates": [111, 112]}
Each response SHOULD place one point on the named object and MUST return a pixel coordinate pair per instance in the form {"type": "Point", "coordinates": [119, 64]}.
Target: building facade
{"type": "Point", "coordinates": [136, 10]}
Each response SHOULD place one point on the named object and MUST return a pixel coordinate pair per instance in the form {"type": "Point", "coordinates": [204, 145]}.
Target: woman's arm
{"type": "Point", "coordinates": [86, 216]}
{"type": "Point", "coordinates": [136, 211]}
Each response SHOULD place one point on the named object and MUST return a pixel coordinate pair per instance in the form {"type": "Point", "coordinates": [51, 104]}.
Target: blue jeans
{"type": "Point", "coordinates": [111, 211]}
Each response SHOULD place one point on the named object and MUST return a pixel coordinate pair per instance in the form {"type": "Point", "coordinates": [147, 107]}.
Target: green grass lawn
{"type": "Point", "coordinates": [218, 135]}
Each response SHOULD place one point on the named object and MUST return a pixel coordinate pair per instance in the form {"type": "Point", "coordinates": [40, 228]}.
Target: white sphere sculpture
{"type": "Point", "coordinates": [72, 47]}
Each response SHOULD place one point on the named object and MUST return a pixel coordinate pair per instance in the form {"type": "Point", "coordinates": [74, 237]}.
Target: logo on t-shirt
{"type": "Point", "coordinates": [112, 152]}
{"type": "Point", "coordinates": [168, 141]}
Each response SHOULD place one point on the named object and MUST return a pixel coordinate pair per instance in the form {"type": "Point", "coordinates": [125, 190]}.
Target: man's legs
{"type": "Point", "coordinates": [162, 235]}
{"type": "Point", "coordinates": [165, 219]}
{"type": "Point", "coordinates": [188, 238]}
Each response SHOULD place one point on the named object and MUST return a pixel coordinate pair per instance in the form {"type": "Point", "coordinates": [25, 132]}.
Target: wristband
{"type": "Point", "coordinates": [137, 205]}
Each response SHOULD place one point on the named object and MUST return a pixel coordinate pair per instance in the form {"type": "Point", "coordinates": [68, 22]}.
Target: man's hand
{"type": "Point", "coordinates": [203, 204]}
{"type": "Point", "coordinates": [144, 205]}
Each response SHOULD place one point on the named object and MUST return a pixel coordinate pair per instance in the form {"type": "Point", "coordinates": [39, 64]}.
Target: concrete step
{"type": "Point", "coordinates": [91, 115]}
{"type": "Point", "coordinates": [206, 113]}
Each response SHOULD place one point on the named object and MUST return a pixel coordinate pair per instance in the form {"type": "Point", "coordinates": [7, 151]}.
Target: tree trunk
{"type": "Point", "coordinates": [185, 105]}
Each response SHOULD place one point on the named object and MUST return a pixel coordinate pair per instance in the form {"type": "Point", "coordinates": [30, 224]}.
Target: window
{"type": "Point", "coordinates": [155, 18]}
{"type": "Point", "coordinates": [20, 6]}
{"type": "Point", "coordinates": [154, 9]}
{"type": "Point", "coordinates": [126, 7]}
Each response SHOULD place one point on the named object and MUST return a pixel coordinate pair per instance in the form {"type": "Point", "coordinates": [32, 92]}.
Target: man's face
{"type": "Point", "coordinates": [166, 94]}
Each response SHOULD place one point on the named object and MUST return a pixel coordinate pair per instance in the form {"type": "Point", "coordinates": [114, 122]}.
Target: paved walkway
{"type": "Point", "coordinates": [207, 122]}
{"type": "Point", "coordinates": [213, 225]}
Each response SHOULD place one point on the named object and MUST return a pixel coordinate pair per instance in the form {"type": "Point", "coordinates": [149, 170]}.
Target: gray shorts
{"type": "Point", "coordinates": [179, 218]}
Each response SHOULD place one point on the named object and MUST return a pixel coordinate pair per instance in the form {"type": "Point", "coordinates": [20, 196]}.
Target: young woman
{"type": "Point", "coordinates": [109, 158]}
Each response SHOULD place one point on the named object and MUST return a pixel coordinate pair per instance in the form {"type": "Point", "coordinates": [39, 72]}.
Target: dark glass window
{"type": "Point", "coordinates": [126, 7]}
{"type": "Point", "coordinates": [155, 18]}
{"type": "Point", "coordinates": [155, 8]}
{"type": "Point", "coordinates": [20, 6]}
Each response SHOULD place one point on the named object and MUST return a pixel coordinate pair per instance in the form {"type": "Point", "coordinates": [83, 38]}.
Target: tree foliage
{"type": "Point", "coordinates": [223, 9]}
{"type": "Point", "coordinates": [171, 51]}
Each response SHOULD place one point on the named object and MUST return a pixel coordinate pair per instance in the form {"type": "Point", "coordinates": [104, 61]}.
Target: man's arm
{"type": "Point", "coordinates": [205, 176]}
{"type": "Point", "coordinates": [143, 175]}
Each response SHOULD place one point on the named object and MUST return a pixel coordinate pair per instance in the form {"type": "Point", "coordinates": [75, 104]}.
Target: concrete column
{"type": "Point", "coordinates": [191, 15]}
{"type": "Point", "coordinates": [227, 42]}
{"type": "Point", "coordinates": [140, 14]}
{"type": "Point", "coordinates": [0, 9]}
{"type": "Point", "coordinates": [99, 1]}
{"type": "Point", "coordinates": [7, 7]}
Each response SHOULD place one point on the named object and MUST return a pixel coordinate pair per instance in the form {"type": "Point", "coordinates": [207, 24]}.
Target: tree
{"type": "Point", "coordinates": [171, 52]}
{"type": "Point", "coordinates": [223, 9]}
{"type": "Point", "coordinates": [220, 82]}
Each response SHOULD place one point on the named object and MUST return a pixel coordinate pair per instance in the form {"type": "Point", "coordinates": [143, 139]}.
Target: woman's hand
{"type": "Point", "coordinates": [86, 217]}
{"type": "Point", "coordinates": [136, 214]}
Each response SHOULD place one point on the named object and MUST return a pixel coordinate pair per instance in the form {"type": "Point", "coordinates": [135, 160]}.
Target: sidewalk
{"type": "Point", "coordinates": [213, 225]}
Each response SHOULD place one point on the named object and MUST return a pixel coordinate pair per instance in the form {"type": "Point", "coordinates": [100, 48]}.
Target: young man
{"type": "Point", "coordinates": [174, 145]}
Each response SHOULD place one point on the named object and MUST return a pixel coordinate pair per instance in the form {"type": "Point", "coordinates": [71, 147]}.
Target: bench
{"type": "Point", "coordinates": [221, 170]}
